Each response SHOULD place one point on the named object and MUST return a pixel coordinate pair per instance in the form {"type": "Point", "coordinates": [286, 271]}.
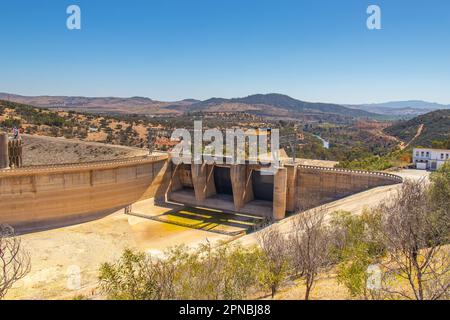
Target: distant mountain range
{"type": "Point", "coordinates": [275, 105]}
{"type": "Point", "coordinates": [409, 108]}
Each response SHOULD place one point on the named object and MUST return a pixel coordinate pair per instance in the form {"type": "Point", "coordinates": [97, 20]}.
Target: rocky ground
{"type": "Point", "coordinates": [41, 150]}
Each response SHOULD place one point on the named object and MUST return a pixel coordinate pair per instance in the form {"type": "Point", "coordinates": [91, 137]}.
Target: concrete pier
{"type": "Point", "coordinates": [291, 188]}
{"type": "Point", "coordinates": [175, 181]}
{"type": "Point", "coordinates": [241, 181]}
{"type": "Point", "coordinates": [199, 182]}
{"type": "Point", "coordinates": [4, 154]}
{"type": "Point", "coordinates": [203, 181]}
{"type": "Point", "coordinates": [279, 194]}
{"type": "Point", "coordinates": [210, 185]}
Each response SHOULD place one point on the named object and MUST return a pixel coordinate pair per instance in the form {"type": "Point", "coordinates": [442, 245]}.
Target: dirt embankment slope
{"type": "Point", "coordinates": [41, 150]}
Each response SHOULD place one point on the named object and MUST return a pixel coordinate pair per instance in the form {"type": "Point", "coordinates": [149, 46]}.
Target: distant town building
{"type": "Point", "coordinates": [430, 159]}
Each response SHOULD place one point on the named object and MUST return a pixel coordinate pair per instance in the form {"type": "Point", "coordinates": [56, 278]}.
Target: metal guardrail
{"type": "Point", "coordinates": [370, 173]}
{"type": "Point", "coordinates": [84, 165]}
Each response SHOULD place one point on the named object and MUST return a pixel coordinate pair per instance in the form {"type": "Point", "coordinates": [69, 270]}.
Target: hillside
{"type": "Point", "coordinates": [137, 105]}
{"type": "Point", "coordinates": [402, 109]}
{"type": "Point", "coordinates": [40, 150]}
{"type": "Point", "coordinates": [32, 120]}
{"type": "Point", "coordinates": [436, 127]}
{"type": "Point", "coordinates": [274, 105]}
{"type": "Point", "coordinates": [119, 129]}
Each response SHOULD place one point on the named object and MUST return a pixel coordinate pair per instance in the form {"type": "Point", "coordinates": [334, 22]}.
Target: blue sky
{"type": "Point", "coordinates": [314, 50]}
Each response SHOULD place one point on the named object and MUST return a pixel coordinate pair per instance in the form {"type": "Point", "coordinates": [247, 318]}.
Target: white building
{"type": "Point", "coordinates": [430, 159]}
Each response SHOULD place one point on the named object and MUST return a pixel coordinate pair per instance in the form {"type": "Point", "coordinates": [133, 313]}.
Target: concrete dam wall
{"type": "Point", "coordinates": [319, 185]}
{"type": "Point", "coordinates": [39, 197]}
{"type": "Point", "coordinates": [50, 196]}
{"type": "Point", "coordinates": [294, 188]}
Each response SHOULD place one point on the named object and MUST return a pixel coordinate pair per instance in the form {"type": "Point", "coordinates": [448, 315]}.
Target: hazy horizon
{"type": "Point", "coordinates": [231, 97]}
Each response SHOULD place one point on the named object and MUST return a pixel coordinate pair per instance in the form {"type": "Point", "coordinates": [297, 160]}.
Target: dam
{"type": "Point", "coordinates": [246, 189]}
{"type": "Point", "coordinates": [46, 196]}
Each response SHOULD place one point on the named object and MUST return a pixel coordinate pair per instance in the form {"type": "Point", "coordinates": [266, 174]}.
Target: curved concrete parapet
{"type": "Point", "coordinates": [389, 176]}
{"type": "Point", "coordinates": [318, 185]}
{"type": "Point", "coordinates": [49, 196]}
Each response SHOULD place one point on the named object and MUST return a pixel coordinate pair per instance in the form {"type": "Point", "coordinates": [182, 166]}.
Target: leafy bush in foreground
{"type": "Point", "coordinates": [228, 272]}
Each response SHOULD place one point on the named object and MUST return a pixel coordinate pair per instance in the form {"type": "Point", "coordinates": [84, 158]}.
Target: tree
{"type": "Point", "coordinates": [441, 144]}
{"type": "Point", "coordinates": [440, 195]}
{"type": "Point", "coordinates": [227, 272]}
{"type": "Point", "coordinates": [14, 261]}
{"type": "Point", "coordinates": [135, 276]}
{"type": "Point", "coordinates": [275, 263]}
{"type": "Point", "coordinates": [240, 272]}
{"type": "Point", "coordinates": [356, 246]}
{"type": "Point", "coordinates": [417, 243]}
{"type": "Point", "coordinates": [309, 246]}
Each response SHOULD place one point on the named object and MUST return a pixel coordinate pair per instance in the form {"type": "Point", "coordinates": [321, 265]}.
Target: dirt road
{"type": "Point", "coordinates": [419, 132]}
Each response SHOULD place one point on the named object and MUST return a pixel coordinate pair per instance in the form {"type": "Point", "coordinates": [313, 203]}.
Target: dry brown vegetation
{"type": "Point", "coordinates": [41, 150]}
{"type": "Point", "coordinates": [14, 261]}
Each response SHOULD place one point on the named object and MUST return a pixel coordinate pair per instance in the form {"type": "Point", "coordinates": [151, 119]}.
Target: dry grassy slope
{"type": "Point", "coordinates": [424, 129]}
{"type": "Point", "coordinates": [40, 150]}
{"type": "Point", "coordinates": [138, 105]}
{"type": "Point", "coordinates": [96, 128]}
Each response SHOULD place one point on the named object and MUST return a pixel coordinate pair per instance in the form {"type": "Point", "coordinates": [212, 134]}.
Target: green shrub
{"type": "Point", "coordinates": [228, 272]}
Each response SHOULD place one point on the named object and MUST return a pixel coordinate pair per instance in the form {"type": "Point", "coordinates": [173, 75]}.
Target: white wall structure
{"type": "Point", "coordinates": [430, 159]}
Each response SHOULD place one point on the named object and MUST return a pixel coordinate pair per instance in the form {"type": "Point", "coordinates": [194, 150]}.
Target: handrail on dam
{"type": "Point", "coordinates": [84, 165]}
{"type": "Point", "coordinates": [371, 173]}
